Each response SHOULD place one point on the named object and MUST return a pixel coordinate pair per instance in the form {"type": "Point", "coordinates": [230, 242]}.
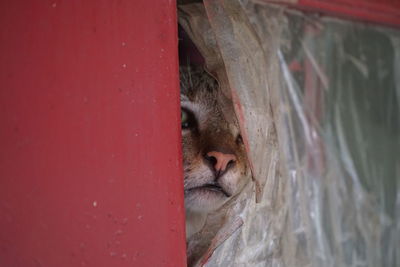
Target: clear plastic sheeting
{"type": "Point", "coordinates": [318, 100]}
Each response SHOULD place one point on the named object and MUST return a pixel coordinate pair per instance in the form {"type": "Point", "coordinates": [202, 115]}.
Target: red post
{"type": "Point", "coordinates": [90, 160]}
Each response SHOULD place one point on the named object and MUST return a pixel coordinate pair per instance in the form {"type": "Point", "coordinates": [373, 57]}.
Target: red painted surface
{"type": "Point", "coordinates": [90, 161]}
{"type": "Point", "coordinates": [386, 12]}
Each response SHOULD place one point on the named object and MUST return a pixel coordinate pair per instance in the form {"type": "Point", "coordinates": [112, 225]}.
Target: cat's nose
{"type": "Point", "coordinates": [220, 161]}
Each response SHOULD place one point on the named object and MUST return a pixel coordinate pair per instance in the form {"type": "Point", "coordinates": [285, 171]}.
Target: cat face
{"type": "Point", "coordinates": [214, 158]}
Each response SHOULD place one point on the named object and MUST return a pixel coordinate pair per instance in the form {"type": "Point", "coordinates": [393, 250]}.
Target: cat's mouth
{"type": "Point", "coordinates": [213, 187]}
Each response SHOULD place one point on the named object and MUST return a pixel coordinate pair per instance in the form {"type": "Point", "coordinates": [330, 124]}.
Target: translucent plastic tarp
{"type": "Point", "coordinates": [318, 100]}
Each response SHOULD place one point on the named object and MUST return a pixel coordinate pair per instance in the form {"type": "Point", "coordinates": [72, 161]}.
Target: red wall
{"type": "Point", "coordinates": [90, 160]}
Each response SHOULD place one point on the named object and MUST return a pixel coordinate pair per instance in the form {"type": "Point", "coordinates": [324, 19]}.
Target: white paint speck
{"type": "Point", "coordinates": [123, 44]}
{"type": "Point", "coordinates": [54, 5]}
{"type": "Point", "coordinates": [95, 204]}
{"type": "Point", "coordinates": [124, 66]}
{"type": "Point", "coordinates": [124, 221]}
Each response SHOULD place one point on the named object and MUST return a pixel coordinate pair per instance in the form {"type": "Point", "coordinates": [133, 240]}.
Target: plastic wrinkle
{"type": "Point", "coordinates": [318, 101]}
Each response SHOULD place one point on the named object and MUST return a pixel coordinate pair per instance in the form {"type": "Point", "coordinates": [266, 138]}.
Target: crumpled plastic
{"type": "Point", "coordinates": [318, 103]}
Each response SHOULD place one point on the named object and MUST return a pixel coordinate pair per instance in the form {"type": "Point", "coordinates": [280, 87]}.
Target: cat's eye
{"type": "Point", "coordinates": [188, 120]}
{"type": "Point", "coordinates": [185, 119]}
{"type": "Point", "coordinates": [239, 139]}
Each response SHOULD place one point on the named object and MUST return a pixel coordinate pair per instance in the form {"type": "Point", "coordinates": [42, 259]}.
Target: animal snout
{"type": "Point", "coordinates": [220, 162]}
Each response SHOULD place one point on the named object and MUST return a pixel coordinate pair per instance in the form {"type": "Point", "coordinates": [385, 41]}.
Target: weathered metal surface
{"type": "Point", "coordinates": [90, 164]}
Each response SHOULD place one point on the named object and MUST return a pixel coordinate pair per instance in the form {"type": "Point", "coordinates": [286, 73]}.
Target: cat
{"type": "Point", "coordinates": [214, 158]}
